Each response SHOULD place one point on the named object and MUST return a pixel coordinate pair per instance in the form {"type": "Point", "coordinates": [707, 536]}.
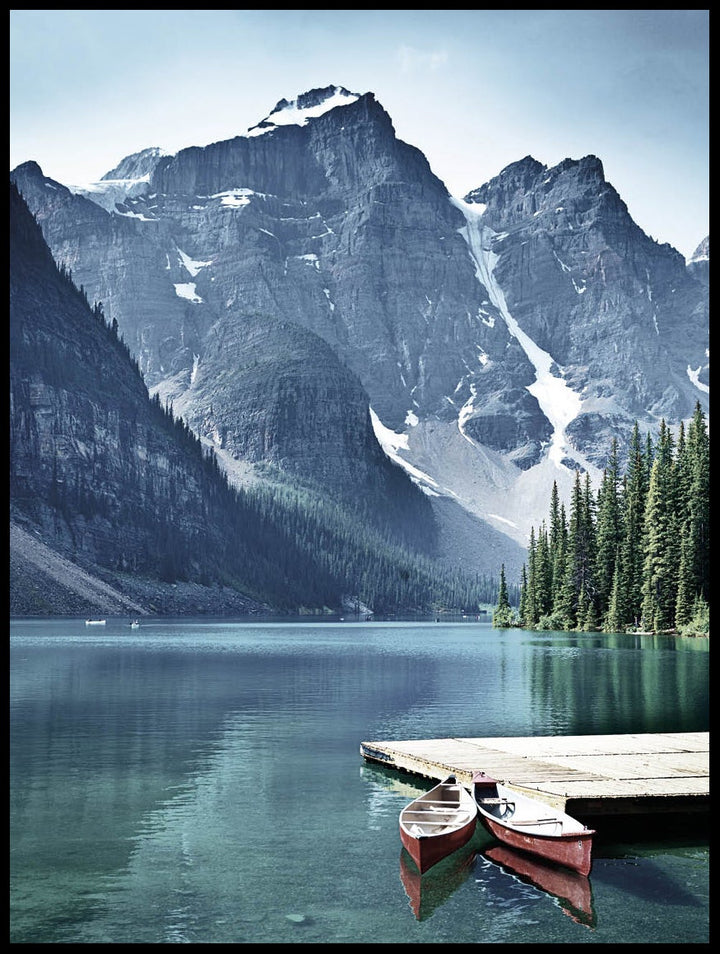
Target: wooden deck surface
{"type": "Point", "coordinates": [581, 774]}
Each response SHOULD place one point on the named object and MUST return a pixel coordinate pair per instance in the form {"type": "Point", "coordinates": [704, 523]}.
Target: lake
{"type": "Point", "coordinates": [200, 781]}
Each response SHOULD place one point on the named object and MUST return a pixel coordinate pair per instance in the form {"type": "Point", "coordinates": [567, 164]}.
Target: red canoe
{"type": "Point", "coordinates": [437, 823]}
{"type": "Point", "coordinates": [531, 825]}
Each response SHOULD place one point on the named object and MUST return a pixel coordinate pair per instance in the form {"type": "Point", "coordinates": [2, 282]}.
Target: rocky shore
{"type": "Point", "coordinates": [45, 583]}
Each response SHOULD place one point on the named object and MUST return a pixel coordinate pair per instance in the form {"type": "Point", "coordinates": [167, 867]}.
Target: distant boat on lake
{"type": "Point", "coordinates": [135, 624]}
{"type": "Point", "coordinates": [94, 622]}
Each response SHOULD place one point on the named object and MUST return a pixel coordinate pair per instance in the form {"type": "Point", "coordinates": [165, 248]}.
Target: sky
{"type": "Point", "coordinates": [475, 90]}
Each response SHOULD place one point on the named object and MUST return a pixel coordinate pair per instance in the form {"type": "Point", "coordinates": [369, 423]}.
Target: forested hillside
{"type": "Point", "coordinates": [116, 484]}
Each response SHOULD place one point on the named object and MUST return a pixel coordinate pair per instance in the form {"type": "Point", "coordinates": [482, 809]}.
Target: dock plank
{"type": "Point", "coordinates": [601, 774]}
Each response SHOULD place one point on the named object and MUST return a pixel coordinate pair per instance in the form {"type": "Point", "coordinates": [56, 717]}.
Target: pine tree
{"type": "Point", "coordinates": [683, 477]}
{"type": "Point", "coordinates": [559, 559]}
{"type": "Point", "coordinates": [661, 556]}
{"type": "Point", "coordinates": [609, 531]}
{"type": "Point", "coordinates": [566, 604]}
{"type": "Point", "coordinates": [635, 486]}
{"type": "Point", "coordinates": [555, 539]}
{"type": "Point", "coordinates": [583, 608]}
{"type": "Point", "coordinates": [617, 612]}
{"type": "Point", "coordinates": [522, 609]}
{"type": "Point", "coordinates": [531, 611]}
{"type": "Point", "coordinates": [700, 622]}
{"type": "Point", "coordinates": [590, 542]}
{"type": "Point", "coordinates": [589, 622]}
{"type": "Point", "coordinates": [543, 575]}
{"type": "Point", "coordinates": [503, 614]}
{"type": "Point", "coordinates": [698, 456]}
{"type": "Point", "coordinates": [685, 598]}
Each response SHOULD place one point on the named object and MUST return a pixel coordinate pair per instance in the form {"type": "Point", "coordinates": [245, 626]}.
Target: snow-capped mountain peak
{"type": "Point", "coordinates": [501, 341]}
{"type": "Point", "coordinates": [130, 177]}
{"type": "Point", "coordinates": [702, 252]}
{"type": "Point", "coordinates": [307, 106]}
{"type": "Point", "coordinates": [139, 165]}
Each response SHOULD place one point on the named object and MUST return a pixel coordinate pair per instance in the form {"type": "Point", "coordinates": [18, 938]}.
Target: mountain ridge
{"type": "Point", "coordinates": [340, 228]}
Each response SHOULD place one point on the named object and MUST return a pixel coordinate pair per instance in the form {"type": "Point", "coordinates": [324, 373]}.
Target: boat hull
{"type": "Point", "coordinates": [438, 823]}
{"type": "Point", "coordinates": [530, 825]}
{"type": "Point", "coordinates": [427, 850]}
{"type": "Point", "coordinates": [572, 850]}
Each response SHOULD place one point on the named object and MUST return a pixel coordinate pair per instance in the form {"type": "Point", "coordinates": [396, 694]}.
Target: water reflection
{"type": "Point", "coordinates": [429, 891]}
{"type": "Point", "coordinates": [569, 889]}
{"type": "Point", "coordinates": [581, 683]}
{"type": "Point", "coordinates": [197, 783]}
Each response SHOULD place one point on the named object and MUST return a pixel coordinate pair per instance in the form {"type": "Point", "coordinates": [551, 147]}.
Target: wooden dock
{"type": "Point", "coordinates": [584, 775]}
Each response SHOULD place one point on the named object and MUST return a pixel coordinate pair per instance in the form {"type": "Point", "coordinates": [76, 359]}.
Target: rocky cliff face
{"type": "Point", "coordinates": [82, 428]}
{"type": "Point", "coordinates": [623, 317]}
{"type": "Point", "coordinates": [116, 508]}
{"type": "Point", "coordinates": [104, 486]}
{"type": "Point", "coordinates": [273, 284]}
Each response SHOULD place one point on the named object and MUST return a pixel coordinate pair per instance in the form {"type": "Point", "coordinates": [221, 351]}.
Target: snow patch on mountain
{"type": "Point", "coordinates": [702, 252]}
{"type": "Point", "coordinates": [694, 377]}
{"type": "Point", "coordinates": [391, 442]}
{"type": "Point", "coordinates": [196, 365]}
{"type": "Point", "coordinates": [129, 178]}
{"type": "Point", "coordinates": [558, 402]}
{"type": "Point", "coordinates": [298, 112]}
{"type": "Point", "coordinates": [234, 198]}
{"type": "Point", "coordinates": [480, 479]}
{"type": "Point", "coordinates": [139, 216]}
{"type": "Point", "coordinates": [465, 413]}
{"type": "Point", "coordinates": [326, 292]}
{"type": "Point", "coordinates": [191, 266]}
{"type": "Point", "coordinates": [187, 290]}
{"type": "Point", "coordinates": [109, 193]}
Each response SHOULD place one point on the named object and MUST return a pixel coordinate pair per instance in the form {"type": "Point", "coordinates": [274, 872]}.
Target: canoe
{"type": "Point", "coordinates": [438, 822]}
{"type": "Point", "coordinates": [532, 825]}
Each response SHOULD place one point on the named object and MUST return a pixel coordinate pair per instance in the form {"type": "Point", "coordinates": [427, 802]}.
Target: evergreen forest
{"type": "Point", "coordinates": [635, 556]}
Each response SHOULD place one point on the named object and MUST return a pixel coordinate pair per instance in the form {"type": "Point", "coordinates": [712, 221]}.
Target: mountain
{"type": "Point", "coordinates": [94, 467]}
{"type": "Point", "coordinates": [116, 507]}
{"type": "Point", "coordinates": [624, 317]}
{"type": "Point", "coordinates": [273, 285]}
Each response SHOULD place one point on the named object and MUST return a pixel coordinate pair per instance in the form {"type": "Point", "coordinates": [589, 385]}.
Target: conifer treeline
{"type": "Point", "coordinates": [634, 556]}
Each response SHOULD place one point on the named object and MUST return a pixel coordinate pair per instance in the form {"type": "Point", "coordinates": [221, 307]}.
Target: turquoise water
{"type": "Point", "coordinates": [196, 781]}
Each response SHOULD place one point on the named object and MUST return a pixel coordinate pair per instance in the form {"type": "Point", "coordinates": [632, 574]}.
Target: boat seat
{"type": "Point", "coordinates": [431, 801]}
{"type": "Point", "coordinates": [421, 811]}
{"type": "Point", "coordinates": [495, 801]}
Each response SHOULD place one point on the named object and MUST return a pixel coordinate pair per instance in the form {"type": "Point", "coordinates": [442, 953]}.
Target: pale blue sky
{"type": "Point", "coordinates": [474, 89]}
